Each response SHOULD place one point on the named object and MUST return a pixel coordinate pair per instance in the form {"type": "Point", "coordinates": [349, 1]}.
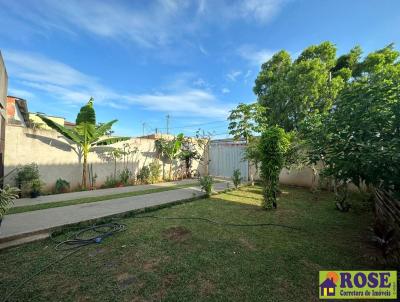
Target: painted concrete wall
{"type": "Point", "coordinates": [57, 158]}
{"type": "Point", "coordinates": [3, 114]}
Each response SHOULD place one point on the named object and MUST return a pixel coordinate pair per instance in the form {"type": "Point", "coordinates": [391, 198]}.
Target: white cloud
{"type": "Point", "coordinates": [255, 56]}
{"type": "Point", "coordinates": [225, 90]}
{"type": "Point", "coordinates": [148, 26]}
{"type": "Point", "coordinates": [261, 10]}
{"type": "Point", "coordinates": [203, 50]}
{"type": "Point", "coordinates": [233, 75]}
{"type": "Point", "coordinates": [24, 94]}
{"type": "Point", "coordinates": [65, 83]}
{"type": "Point", "coordinates": [145, 23]}
{"type": "Point", "coordinates": [182, 103]}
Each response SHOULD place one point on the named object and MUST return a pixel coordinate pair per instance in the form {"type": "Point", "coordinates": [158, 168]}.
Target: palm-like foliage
{"type": "Point", "coordinates": [169, 149]}
{"type": "Point", "coordinates": [7, 196]}
{"type": "Point", "coordinates": [86, 134]}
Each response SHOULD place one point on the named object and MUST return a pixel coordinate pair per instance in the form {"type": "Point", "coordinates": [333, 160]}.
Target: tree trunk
{"type": "Point", "coordinates": [84, 184]}
{"type": "Point", "coordinates": [170, 170]}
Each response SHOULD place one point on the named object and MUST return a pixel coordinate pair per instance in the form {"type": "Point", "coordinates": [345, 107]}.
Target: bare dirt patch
{"type": "Point", "coordinates": [152, 264]}
{"type": "Point", "coordinates": [207, 288]}
{"type": "Point", "coordinates": [125, 280]}
{"type": "Point", "coordinates": [177, 234]}
{"type": "Point", "coordinates": [247, 244]}
{"type": "Point", "coordinates": [167, 281]}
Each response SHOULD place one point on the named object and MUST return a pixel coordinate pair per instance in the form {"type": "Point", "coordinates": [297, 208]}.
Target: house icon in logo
{"type": "Point", "coordinates": [327, 287]}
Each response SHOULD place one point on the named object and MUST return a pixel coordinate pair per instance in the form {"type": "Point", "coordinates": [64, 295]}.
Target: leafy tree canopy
{"type": "Point", "coordinates": [291, 92]}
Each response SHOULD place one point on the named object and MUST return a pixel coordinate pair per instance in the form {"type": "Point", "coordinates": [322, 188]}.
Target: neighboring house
{"type": "Point", "coordinates": [3, 115]}
{"type": "Point", "coordinates": [327, 288]}
{"type": "Point", "coordinates": [36, 121]}
{"type": "Point", "coordinates": [18, 115]}
{"type": "Point", "coordinates": [17, 112]}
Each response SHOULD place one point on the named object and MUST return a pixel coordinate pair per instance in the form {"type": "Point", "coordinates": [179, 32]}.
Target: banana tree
{"type": "Point", "coordinates": [169, 149]}
{"type": "Point", "coordinates": [86, 134]}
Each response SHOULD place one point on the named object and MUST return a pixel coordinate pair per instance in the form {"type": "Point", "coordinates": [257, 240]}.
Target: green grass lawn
{"type": "Point", "coordinates": [64, 203]}
{"type": "Point", "coordinates": [181, 260]}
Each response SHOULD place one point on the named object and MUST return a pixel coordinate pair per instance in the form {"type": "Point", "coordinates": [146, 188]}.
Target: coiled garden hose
{"type": "Point", "coordinates": [74, 244]}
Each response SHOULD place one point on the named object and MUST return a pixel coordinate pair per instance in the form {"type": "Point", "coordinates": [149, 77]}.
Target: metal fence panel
{"type": "Point", "coordinates": [225, 158]}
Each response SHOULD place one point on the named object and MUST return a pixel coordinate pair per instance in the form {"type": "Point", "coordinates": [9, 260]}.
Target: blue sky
{"type": "Point", "coordinates": [193, 60]}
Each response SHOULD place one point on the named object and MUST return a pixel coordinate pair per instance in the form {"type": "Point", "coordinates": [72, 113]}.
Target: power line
{"type": "Point", "coordinates": [194, 126]}
{"type": "Point", "coordinates": [168, 116]}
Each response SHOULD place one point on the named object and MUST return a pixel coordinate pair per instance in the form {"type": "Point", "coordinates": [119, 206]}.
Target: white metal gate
{"type": "Point", "coordinates": [225, 157]}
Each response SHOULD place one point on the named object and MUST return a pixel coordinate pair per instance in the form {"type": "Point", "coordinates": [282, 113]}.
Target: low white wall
{"type": "Point", "coordinates": [302, 177]}
{"type": "Point", "coordinates": [57, 158]}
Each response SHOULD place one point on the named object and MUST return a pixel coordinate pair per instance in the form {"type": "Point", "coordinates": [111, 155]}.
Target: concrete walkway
{"type": "Point", "coordinates": [29, 226]}
{"type": "Point", "coordinates": [100, 192]}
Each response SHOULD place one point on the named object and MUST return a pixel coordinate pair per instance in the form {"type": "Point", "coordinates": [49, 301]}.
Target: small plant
{"type": "Point", "coordinates": [236, 178]}
{"type": "Point", "coordinates": [125, 175]}
{"type": "Point", "coordinates": [36, 188]}
{"type": "Point", "coordinates": [7, 196]}
{"type": "Point", "coordinates": [206, 184]}
{"type": "Point", "coordinates": [62, 186]}
{"type": "Point", "coordinates": [110, 182]}
{"type": "Point", "coordinates": [341, 194]}
{"type": "Point", "coordinates": [155, 171]}
{"type": "Point", "coordinates": [144, 175]}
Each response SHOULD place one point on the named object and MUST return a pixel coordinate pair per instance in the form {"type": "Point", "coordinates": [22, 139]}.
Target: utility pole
{"type": "Point", "coordinates": [143, 124]}
{"type": "Point", "coordinates": [168, 116]}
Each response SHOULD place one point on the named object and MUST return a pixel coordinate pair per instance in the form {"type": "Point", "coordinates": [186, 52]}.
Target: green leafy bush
{"type": "Point", "coordinates": [155, 171]}
{"type": "Point", "coordinates": [236, 178]}
{"type": "Point", "coordinates": [35, 188]}
{"type": "Point", "coordinates": [27, 173]}
{"type": "Point", "coordinates": [144, 175]}
{"type": "Point", "coordinates": [274, 144]}
{"type": "Point", "coordinates": [62, 186]}
{"type": "Point", "coordinates": [125, 175]}
{"type": "Point", "coordinates": [111, 182]}
{"type": "Point", "coordinates": [206, 184]}
{"type": "Point", "coordinates": [28, 180]}
{"type": "Point", "coordinates": [7, 196]}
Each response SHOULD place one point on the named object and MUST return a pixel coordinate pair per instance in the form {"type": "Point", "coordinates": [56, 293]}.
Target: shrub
{"type": "Point", "coordinates": [155, 171]}
{"type": "Point", "coordinates": [111, 182]}
{"type": "Point", "coordinates": [144, 175]}
{"type": "Point", "coordinates": [7, 196]}
{"type": "Point", "coordinates": [125, 175]}
{"type": "Point", "coordinates": [28, 180]}
{"type": "Point", "coordinates": [236, 178]}
{"type": "Point", "coordinates": [35, 188]}
{"type": "Point", "coordinates": [206, 183]}
{"type": "Point", "coordinates": [26, 174]}
{"type": "Point", "coordinates": [62, 186]}
{"type": "Point", "coordinates": [274, 145]}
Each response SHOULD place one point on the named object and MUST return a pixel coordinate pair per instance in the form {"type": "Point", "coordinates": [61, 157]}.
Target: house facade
{"type": "Point", "coordinates": [17, 112]}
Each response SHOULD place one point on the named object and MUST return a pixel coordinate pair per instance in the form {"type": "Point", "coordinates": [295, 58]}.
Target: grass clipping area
{"type": "Point", "coordinates": [183, 260]}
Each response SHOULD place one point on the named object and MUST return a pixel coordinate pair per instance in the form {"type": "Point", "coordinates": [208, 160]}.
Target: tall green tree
{"type": "Point", "coordinates": [86, 134]}
{"type": "Point", "coordinates": [246, 120]}
{"type": "Point", "coordinates": [360, 139]}
{"type": "Point", "coordinates": [291, 92]}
